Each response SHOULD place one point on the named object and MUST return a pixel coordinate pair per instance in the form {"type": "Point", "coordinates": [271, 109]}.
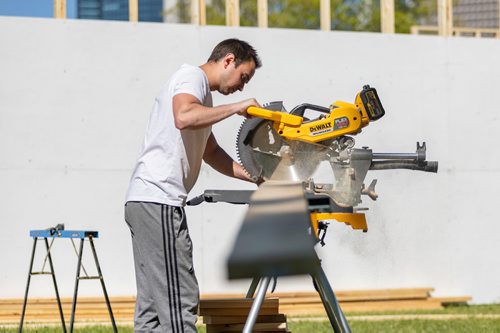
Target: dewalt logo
{"type": "Point", "coordinates": [320, 127]}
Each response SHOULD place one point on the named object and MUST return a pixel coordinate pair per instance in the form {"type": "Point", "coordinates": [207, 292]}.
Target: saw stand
{"type": "Point", "coordinates": [330, 303]}
{"type": "Point", "coordinates": [260, 285]}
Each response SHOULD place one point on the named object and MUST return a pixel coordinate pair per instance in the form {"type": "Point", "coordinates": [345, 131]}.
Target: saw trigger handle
{"type": "Point", "coordinates": [300, 109]}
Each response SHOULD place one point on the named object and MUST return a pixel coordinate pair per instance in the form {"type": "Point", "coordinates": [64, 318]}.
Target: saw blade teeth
{"type": "Point", "coordinates": [252, 164]}
{"type": "Point", "coordinates": [238, 153]}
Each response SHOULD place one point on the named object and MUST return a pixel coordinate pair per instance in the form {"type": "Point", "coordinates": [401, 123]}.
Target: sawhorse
{"type": "Point", "coordinates": [330, 303]}
{"type": "Point", "coordinates": [71, 234]}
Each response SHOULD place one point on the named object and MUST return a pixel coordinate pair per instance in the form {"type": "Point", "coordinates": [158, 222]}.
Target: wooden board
{"type": "Point", "coordinates": [236, 312]}
{"type": "Point", "coordinates": [318, 309]}
{"type": "Point", "coordinates": [344, 295]}
{"type": "Point", "coordinates": [294, 303]}
{"type": "Point", "coordinates": [279, 318]}
{"type": "Point", "coordinates": [258, 327]}
{"type": "Point", "coordinates": [237, 303]}
{"type": "Point", "coordinates": [236, 307]}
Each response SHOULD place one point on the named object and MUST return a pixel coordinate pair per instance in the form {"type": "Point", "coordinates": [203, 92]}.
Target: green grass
{"type": "Point", "coordinates": [397, 326]}
{"type": "Point", "coordinates": [404, 326]}
{"type": "Point", "coordinates": [467, 322]}
{"type": "Point", "coordinates": [453, 309]}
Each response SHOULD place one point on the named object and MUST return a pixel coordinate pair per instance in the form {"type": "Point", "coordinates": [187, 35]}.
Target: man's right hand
{"type": "Point", "coordinates": [244, 105]}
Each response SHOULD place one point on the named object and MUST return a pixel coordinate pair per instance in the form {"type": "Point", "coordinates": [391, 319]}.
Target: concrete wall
{"type": "Point", "coordinates": [75, 97]}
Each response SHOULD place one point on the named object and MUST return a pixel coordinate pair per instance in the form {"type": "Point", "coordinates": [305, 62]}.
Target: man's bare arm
{"type": "Point", "coordinates": [218, 159]}
{"type": "Point", "coordinates": [190, 113]}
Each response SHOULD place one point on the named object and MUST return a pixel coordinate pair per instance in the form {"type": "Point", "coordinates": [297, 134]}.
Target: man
{"type": "Point", "coordinates": [178, 137]}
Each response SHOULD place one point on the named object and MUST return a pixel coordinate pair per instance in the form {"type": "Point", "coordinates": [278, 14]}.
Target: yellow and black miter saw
{"type": "Point", "coordinates": [278, 145]}
{"type": "Point", "coordinates": [288, 214]}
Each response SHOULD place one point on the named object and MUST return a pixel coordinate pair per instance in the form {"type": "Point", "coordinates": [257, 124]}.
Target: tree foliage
{"type": "Point", "coordinates": [351, 15]}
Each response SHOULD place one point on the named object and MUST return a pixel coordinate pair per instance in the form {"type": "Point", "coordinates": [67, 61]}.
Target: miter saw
{"type": "Point", "coordinates": [287, 146]}
{"type": "Point", "coordinates": [284, 149]}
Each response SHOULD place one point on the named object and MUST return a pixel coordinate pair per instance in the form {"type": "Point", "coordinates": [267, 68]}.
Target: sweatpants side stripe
{"type": "Point", "coordinates": [176, 279]}
{"type": "Point", "coordinates": [171, 253]}
{"type": "Point", "coordinates": [169, 293]}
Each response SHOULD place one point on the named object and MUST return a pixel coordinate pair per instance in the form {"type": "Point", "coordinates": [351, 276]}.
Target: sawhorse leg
{"type": "Point", "coordinates": [35, 239]}
{"type": "Point", "coordinates": [77, 280]}
{"type": "Point", "coordinates": [330, 303]}
{"type": "Point", "coordinates": [108, 304]}
{"type": "Point", "coordinates": [253, 287]}
{"type": "Point", "coordinates": [100, 277]}
{"type": "Point", "coordinates": [257, 303]}
{"type": "Point", "coordinates": [333, 310]}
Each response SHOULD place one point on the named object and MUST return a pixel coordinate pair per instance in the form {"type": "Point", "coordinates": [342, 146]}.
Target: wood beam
{"type": "Point", "coordinates": [198, 12]}
{"type": "Point", "coordinates": [325, 15]}
{"type": "Point", "coordinates": [60, 9]}
{"type": "Point", "coordinates": [203, 12]}
{"type": "Point", "coordinates": [262, 13]}
{"type": "Point", "coordinates": [445, 17]}
{"type": "Point", "coordinates": [387, 21]}
{"type": "Point", "coordinates": [133, 10]}
{"type": "Point", "coordinates": [195, 12]}
{"type": "Point", "coordinates": [233, 13]}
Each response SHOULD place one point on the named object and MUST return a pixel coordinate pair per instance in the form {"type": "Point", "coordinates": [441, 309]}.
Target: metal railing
{"type": "Point", "coordinates": [456, 31]}
{"type": "Point", "coordinates": [387, 16]}
{"type": "Point", "coordinates": [198, 13]}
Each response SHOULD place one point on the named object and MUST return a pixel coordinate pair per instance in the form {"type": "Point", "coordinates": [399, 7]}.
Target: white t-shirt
{"type": "Point", "coordinates": [170, 160]}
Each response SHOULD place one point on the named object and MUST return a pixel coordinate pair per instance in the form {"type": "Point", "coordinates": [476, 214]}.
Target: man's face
{"type": "Point", "coordinates": [234, 78]}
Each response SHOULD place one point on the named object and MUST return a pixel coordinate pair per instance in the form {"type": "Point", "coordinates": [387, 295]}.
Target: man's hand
{"type": "Point", "coordinates": [244, 105]}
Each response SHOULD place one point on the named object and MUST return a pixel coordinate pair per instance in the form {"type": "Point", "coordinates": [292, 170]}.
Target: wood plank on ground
{"type": "Point", "coordinates": [345, 295]}
{"type": "Point", "coordinates": [289, 303]}
{"type": "Point", "coordinates": [236, 312]}
{"type": "Point", "coordinates": [237, 303]}
{"type": "Point", "coordinates": [258, 327]}
{"type": "Point", "coordinates": [318, 309]}
{"type": "Point", "coordinates": [453, 300]}
{"type": "Point", "coordinates": [279, 318]}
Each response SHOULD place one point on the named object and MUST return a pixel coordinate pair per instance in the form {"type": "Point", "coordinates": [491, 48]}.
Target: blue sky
{"type": "Point", "coordinates": [35, 8]}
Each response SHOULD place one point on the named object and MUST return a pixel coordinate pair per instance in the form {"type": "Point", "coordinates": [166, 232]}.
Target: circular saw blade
{"type": "Point", "coordinates": [265, 154]}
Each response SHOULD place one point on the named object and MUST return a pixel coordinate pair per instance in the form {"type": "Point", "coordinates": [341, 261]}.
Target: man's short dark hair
{"type": "Point", "coordinates": [242, 51]}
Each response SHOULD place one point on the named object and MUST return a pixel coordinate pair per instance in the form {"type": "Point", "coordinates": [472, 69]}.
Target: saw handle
{"type": "Point", "coordinates": [300, 109]}
{"type": "Point", "coordinates": [275, 116]}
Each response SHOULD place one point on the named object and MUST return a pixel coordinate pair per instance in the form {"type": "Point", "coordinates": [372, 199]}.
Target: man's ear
{"type": "Point", "coordinates": [228, 59]}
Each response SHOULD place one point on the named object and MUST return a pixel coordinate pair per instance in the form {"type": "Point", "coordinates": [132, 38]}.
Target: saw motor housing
{"type": "Point", "coordinates": [341, 118]}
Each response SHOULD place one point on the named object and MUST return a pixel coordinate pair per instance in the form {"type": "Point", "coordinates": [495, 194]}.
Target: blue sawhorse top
{"type": "Point", "coordinates": [53, 233]}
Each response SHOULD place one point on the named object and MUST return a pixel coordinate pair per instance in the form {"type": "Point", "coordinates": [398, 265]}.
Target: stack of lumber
{"type": "Point", "coordinates": [45, 310]}
{"type": "Point", "coordinates": [295, 303]}
{"type": "Point", "coordinates": [230, 314]}
{"type": "Point", "coordinates": [309, 303]}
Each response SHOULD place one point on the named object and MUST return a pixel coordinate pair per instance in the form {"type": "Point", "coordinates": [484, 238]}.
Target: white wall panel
{"type": "Point", "coordinates": [75, 97]}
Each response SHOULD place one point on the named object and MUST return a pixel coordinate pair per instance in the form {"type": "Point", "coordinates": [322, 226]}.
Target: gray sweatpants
{"type": "Point", "coordinates": [167, 289]}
